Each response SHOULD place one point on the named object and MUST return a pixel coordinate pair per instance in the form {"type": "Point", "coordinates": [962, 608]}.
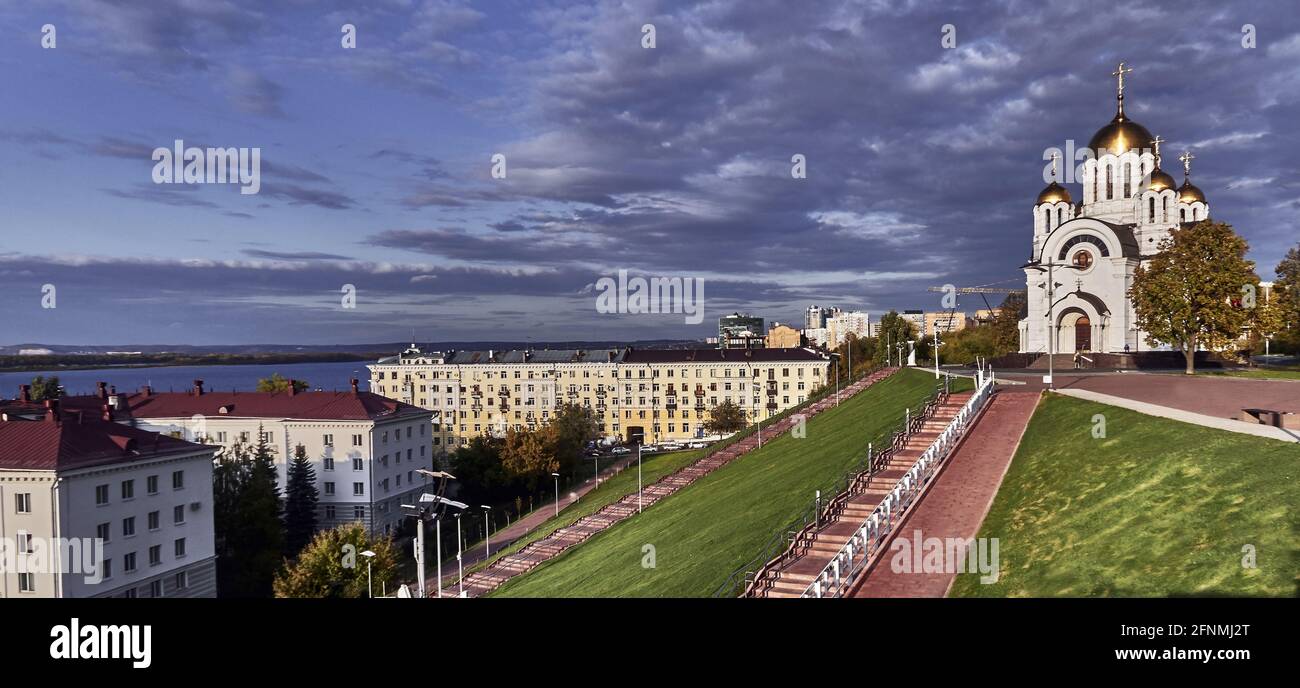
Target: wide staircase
{"type": "Point", "coordinates": [814, 549]}
{"type": "Point", "coordinates": [507, 567]}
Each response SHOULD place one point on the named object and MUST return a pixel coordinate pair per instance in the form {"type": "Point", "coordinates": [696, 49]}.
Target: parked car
{"type": "Point", "coordinates": [620, 450]}
{"type": "Point", "coordinates": [671, 446]}
{"type": "Point", "coordinates": [697, 445]}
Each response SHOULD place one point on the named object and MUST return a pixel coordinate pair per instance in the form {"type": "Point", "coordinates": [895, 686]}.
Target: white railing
{"type": "Point", "coordinates": [847, 564]}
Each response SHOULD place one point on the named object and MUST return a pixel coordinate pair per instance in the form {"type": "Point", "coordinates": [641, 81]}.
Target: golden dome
{"type": "Point", "coordinates": [1122, 134]}
{"type": "Point", "coordinates": [1053, 193]}
{"type": "Point", "coordinates": [1188, 193]}
{"type": "Point", "coordinates": [1160, 180]}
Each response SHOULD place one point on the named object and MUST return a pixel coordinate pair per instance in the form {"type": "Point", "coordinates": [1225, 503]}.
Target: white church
{"type": "Point", "coordinates": [1091, 249]}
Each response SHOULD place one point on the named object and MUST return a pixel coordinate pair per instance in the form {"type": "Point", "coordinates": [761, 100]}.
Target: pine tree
{"type": "Point", "coordinates": [246, 516]}
{"type": "Point", "coordinates": [300, 502]}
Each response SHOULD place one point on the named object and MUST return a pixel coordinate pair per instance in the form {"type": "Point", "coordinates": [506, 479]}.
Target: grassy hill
{"type": "Point", "coordinates": [1156, 508]}
{"type": "Point", "coordinates": [703, 533]}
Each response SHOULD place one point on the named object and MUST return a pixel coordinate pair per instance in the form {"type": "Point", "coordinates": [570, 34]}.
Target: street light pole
{"type": "Point", "coordinates": [460, 565]}
{"type": "Point", "coordinates": [419, 554]}
{"type": "Point", "coordinates": [487, 532]}
{"type": "Point", "coordinates": [437, 525]}
{"type": "Point", "coordinates": [638, 478]}
{"type": "Point", "coordinates": [557, 493]}
{"type": "Point", "coordinates": [370, 586]}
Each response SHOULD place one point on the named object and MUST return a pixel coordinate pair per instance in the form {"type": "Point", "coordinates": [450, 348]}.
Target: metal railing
{"type": "Point", "coordinates": [848, 563]}
{"type": "Point", "coordinates": [795, 538]}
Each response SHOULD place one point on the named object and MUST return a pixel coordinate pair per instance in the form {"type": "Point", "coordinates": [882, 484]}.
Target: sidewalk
{"type": "Point", "coordinates": [955, 506]}
{"type": "Point", "coordinates": [1266, 431]}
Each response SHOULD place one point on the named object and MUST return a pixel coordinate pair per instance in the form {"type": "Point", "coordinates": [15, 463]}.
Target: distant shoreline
{"type": "Point", "coordinates": [57, 362]}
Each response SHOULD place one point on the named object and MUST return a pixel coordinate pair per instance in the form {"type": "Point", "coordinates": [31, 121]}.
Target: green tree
{"type": "Point", "coordinates": [277, 383]}
{"type": "Point", "coordinates": [724, 418]}
{"type": "Point", "coordinates": [893, 329]}
{"type": "Point", "coordinates": [301, 498]}
{"type": "Point", "coordinates": [45, 388]}
{"type": "Point", "coordinates": [246, 520]}
{"type": "Point", "coordinates": [332, 565]}
{"type": "Point", "coordinates": [1286, 296]}
{"type": "Point", "coordinates": [1188, 295]}
{"type": "Point", "coordinates": [527, 455]}
{"type": "Point", "coordinates": [1006, 325]}
{"type": "Point", "coordinates": [478, 470]}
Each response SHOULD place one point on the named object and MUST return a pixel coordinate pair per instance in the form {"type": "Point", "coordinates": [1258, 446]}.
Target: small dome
{"type": "Point", "coordinates": [1189, 193]}
{"type": "Point", "coordinates": [1053, 193]}
{"type": "Point", "coordinates": [1122, 134]}
{"type": "Point", "coordinates": [1160, 180]}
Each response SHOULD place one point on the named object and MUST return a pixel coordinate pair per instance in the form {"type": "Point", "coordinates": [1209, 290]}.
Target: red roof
{"type": "Point", "coordinates": [73, 443]}
{"type": "Point", "coordinates": [302, 405]}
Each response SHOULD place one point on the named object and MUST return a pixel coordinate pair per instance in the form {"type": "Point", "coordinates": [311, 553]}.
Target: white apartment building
{"type": "Point", "coordinates": [69, 480]}
{"type": "Point", "coordinates": [845, 323]}
{"type": "Point", "coordinates": [638, 395]}
{"type": "Point", "coordinates": [364, 448]}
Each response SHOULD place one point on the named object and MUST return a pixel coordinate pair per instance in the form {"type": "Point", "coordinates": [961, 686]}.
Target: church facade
{"type": "Point", "coordinates": [1084, 254]}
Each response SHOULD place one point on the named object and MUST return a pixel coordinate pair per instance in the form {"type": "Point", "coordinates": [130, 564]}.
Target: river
{"type": "Point", "coordinates": [243, 378]}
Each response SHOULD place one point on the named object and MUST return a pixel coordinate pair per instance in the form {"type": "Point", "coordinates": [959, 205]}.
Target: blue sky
{"type": "Point", "coordinates": [923, 161]}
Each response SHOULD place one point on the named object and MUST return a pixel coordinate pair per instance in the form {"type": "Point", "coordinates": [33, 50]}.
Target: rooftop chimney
{"type": "Point", "coordinates": [25, 393]}
{"type": "Point", "coordinates": [354, 386]}
{"type": "Point", "coordinates": [103, 389]}
{"type": "Point", "coordinates": [51, 411]}
{"type": "Point", "coordinates": [107, 414]}
{"type": "Point", "coordinates": [293, 387]}
{"type": "Point", "coordinates": [198, 388]}
{"type": "Point", "coordinates": [146, 391]}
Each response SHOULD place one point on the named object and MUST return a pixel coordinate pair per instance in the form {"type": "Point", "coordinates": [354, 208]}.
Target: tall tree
{"type": "Point", "coordinates": [1006, 326]}
{"type": "Point", "coordinates": [892, 330]}
{"type": "Point", "coordinates": [725, 417]}
{"type": "Point", "coordinates": [45, 388]}
{"type": "Point", "coordinates": [1189, 294]}
{"type": "Point", "coordinates": [246, 515]}
{"type": "Point", "coordinates": [1286, 296]}
{"type": "Point", "coordinates": [527, 455]}
{"type": "Point", "coordinates": [278, 383]}
{"type": "Point", "coordinates": [301, 498]}
{"type": "Point", "coordinates": [332, 565]}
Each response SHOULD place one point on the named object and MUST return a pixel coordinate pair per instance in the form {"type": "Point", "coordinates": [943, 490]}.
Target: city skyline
{"type": "Point", "coordinates": [673, 161]}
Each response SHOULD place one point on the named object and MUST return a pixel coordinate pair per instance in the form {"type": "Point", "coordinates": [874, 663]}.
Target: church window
{"type": "Point", "coordinates": [1152, 212]}
{"type": "Point", "coordinates": [1182, 216]}
{"type": "Point", "coordinates": [1082, 238]}
{"type": "Point", "coordinates": [1110, 183]}
{"type": "Point", "coordinates": [1128, 179]}
{"type": "Point", "coordinates": [1059, 215]}
{"type": "Point", "coordinates": [1082, 259]}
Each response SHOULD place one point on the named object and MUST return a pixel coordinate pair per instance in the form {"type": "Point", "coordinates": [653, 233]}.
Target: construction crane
{"type": "Point", "coordinates": [982, 290]}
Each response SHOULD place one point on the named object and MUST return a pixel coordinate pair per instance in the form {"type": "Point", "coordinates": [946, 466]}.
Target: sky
{"type": "Point", "coordinates": [922, 161]}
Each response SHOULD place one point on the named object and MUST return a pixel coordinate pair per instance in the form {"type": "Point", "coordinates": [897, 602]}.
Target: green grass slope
{"type": "Point", "coordinates": [1156, 508]}
{"type": "Point", "coordinates": [703, 533]}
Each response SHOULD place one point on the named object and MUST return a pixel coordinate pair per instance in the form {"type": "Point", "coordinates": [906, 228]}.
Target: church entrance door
{"type": "Point", "coordinates": [1082, 334]}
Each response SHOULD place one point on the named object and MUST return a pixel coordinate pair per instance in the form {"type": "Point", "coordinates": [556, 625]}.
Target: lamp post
{"type": "Point", "coordinates": [487, 532]}
{"type": "Point", "coordinates": [1048, 267]}
{"type": "Point", "coordinates": [460, 564]}
{"type": "Point", "coordinates": [370, 586]}
{"type": "Point", "coordinates": [557, 493]}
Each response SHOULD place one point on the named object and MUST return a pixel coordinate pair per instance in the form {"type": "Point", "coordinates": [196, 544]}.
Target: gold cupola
{"type": "Point", "coordinates": [1159, 180]}
{"type": "Point", "coordinates": [1188, 192]}
{"type": "Point", "coordinates": [1122, 134]}
{"type": "Point", "coordinates": [1054, 192]}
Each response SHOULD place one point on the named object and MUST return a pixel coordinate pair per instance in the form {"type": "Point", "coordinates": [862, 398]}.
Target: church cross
{"type": "Point", "coordinates": [1119, 74]}
{"type": "Point", "coordinates": [1156, 143]}
{"type": "Point", "coordinates": [1187, 158]}
{"type": "Point", "coordinates": [1055, 155]}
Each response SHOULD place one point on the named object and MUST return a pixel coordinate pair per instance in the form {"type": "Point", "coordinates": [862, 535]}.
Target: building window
{"type": "Point", "coordinates": [329, 488]}
{"type": "Point", "coordinates": [151, 484]}
{"type": "Point", "coordinates": [356, 440]}
{"type": "Point", "coordinates": [357, 464]}
{"type": "Point", "coordinates": [182, 580]}
{"type": "Point", "coordinates": [153, 520]}
{"type": "Point", "coordinates": [24, 543]}
{"type": "Point", "coordinates": [128, 562]}
{"type": "Point", "coordinates": [24, 502]}
{"type": "Point", "coordinates": [179, 546]}
{"type": "Point", "coordinates": [329, 440]}
{"type": "Point", "coordinates": [155, 588]}
{"type": "Point", "coordinates": [178, 514]}
{"type": "Point", "coordinates": [359, 512]}
{"type": "Point", "coordinates": [155, 555]}
{"type": "Point", "coordinates": [128, 526]}
{"type": "Point", "coordinates": [26, 582]}
{"type": "Point", "coordinates": [103, 531]}
{"type": "Point", "coordinates": [358, 489]}
{"type": "Point", "coordinates": [329, 511]}
{"type": "Point", "coordinates": [129, 594]}
{"type": "Point", "coordinates": [178, 480]}
{"type": "Point", "coordinates": [128, 489]}
{"type": "Point", "coordinates": [1083, 259]}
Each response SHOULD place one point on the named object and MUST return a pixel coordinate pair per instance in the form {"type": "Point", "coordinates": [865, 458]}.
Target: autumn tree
{"type": "Point", "coordinates": [1286, 298]}
{"type": "Point", "coordinates": [724, 418]}
{"type": "Point", "coordinates": [892, 330]}
{"type": "Point", "coordinates": [527, 455]}
{"type": "Point", "coordinates": [1189, 294]}
{"type": "Point", "coordinates": [45, 388]}
{"type": "Point", "coordinates": [278, 383]}
{"type": "Point", "coordinates": [333, 566]}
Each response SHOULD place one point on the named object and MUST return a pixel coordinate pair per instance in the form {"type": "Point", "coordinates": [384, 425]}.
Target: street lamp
{"type": "Point", "coordinates": [487, 532]}
{"type": "Point", "coordinates": [1051, 305]}
{"type": "Point", "coordinates": [638, 478]}
{"type": "Point", "coordinates": [557, 489]}
{"type": "Point", "coordinates": [430, 506]}
{"type": "Point", "coordinates": [460, 563]}
{"type": "Point", "coordinates": [370, 586]}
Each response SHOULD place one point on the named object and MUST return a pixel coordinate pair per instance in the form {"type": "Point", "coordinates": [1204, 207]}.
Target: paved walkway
{"type": "Point", "coordinates": [535, 553]}
{"type": "Point", "coordinates": [957, 502]}
{"type": "Point", "coordinates": [1256, 429]}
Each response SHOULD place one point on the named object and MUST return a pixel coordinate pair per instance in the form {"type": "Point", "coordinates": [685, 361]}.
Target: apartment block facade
{"type": "Point", "coordinates": [636, 395]}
